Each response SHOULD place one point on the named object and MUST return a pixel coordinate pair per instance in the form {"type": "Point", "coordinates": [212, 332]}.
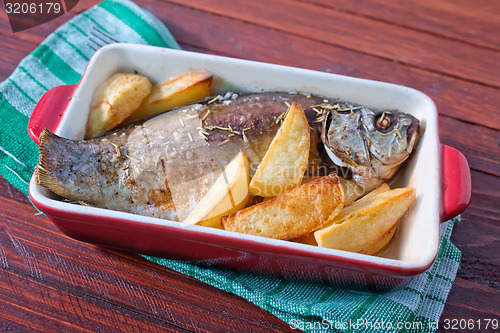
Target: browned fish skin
{"type": "Point", "coordinates": [136, 168]}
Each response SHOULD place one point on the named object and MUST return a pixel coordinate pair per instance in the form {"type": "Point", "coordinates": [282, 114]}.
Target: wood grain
{"type": "Point", "coordinates": [447, 18]}
{"type": "Point", "coordinates": [447, 49]}
{"type": "Point", "coordinates": [354, 32]}
{"type": "Point", "coordinates": [470, 300]}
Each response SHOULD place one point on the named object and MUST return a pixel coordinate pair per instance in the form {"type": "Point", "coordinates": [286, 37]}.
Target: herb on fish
{"type": "Point", "coordinates": [244, 136]}
{"type": "Point", "coordinates": [397, 131]}
{"type": "Point", "coordinates": [132, 158]}
{"type": "Point", "coordinates": [213, 99]}
{"type": "Point", "coordinates": [190, 137]}
{"type": "Point", "coordinates": [359, 134]}
{"type": "Point", "coordinates": [344, 110]}
{"type": "Point", "coordinates": [320, 118]}
{"type": "Point", "coordinates": [280, 117]}
{"type": "Point", "coordinates": [203, 131]}
{"type": "Point", "coordinates": [222, 128]}
{"type": "Point", "coordinates": [182, 123]}
{"type": "Point", "coordinates": [193, 116]}
{"type": "Point", "coordinates": [326, 106]}
{"type": "Point", "coordinates": [224, 142]}
{"type": "Point", "coordinates": [118, 153]}
{"type": "Point", "coordinates": [206, 115]}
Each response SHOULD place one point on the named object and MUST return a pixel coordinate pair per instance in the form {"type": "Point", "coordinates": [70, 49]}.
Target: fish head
{"type": "Point", "coordinates": [372, 144]}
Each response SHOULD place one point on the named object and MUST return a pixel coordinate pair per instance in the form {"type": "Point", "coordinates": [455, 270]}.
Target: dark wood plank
{"type": "Point", "coordinates": [354, 32]}
{"type": "Point", "coordinates": [480, 145]}
{"type": "Point", "coordinates": [447, 18]}
{"type": "Point", "coordinates": [485, 197]}
{"type": "Point", "coordinates": [18, 49]}
{"type": "Point", "coordinates": [15, 46]}
{"type": "Point", "coordinates": [29, 304]}
{"type": "Point", "coordinates": [470, 300]}
{"type": "Point", "coordinates": [37, 251]}
{"type": "Point", "coordinates": [478, 234]}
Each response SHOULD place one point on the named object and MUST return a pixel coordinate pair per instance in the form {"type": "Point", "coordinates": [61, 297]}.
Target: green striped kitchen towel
{"type": "Point", "coordinates": [62, 58]}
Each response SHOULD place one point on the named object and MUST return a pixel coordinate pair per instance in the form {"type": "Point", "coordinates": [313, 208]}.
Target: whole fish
{"type": "Point", "coordinates": [162, 166]}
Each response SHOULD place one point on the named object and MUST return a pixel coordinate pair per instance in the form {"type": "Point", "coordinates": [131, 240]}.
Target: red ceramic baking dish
{"type": "Point", "coordinates": [439, 174]}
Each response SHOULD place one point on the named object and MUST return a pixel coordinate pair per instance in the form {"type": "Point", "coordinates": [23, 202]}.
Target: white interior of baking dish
{"type": "Point", "coordinates": [416, 241]}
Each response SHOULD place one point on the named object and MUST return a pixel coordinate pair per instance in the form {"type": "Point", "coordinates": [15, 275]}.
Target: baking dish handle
{"type": "Point", "coordinates": [456, 183]}
{"type": "Point", "coordinates": [49, 110]}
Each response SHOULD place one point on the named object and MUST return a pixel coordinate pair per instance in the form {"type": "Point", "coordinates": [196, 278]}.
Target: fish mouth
{"type": "Point", "coordinates": [412, 130]}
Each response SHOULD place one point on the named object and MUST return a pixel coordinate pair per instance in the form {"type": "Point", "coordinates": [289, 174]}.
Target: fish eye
{"type": "Point", "coordinates": [384, 122]}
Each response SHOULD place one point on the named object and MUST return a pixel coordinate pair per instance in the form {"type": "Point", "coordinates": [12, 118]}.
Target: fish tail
{"type": "Point", "coordinates": [47, 160]}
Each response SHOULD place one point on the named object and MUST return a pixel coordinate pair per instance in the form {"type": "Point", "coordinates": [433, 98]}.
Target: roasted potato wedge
{"type": "Point", "coordinates": [181, 90]}
{"type": "Point", "coordinates": [285, 162]}
{"type": "Point", "coordinates": [381, 189]}
{"type": "Point", "coordinates": [352, 191]}
{"type": "Point", "coordinates": [364, 222]}
{"type": "Point", "coordinates": [114, 101]}
{"type": "Point", "coordinates": [378, 245]}
{"type": "Point", "coordinates": [292, 214]}
{"type": "Point", "coordinates": [227, 195]}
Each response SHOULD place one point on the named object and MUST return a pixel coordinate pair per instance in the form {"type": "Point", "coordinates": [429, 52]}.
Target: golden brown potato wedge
{"type": "Point", "coordinates": [292, 214]}
{"type": "Point", "coordinates": [379, 244]}
{"type": "Point", "coordinates": [181, 90]}
{"type": "Point", "coordinates": [381, 189]}
{"type": "Point", "coordinates": [365, 221]}
{"type": "Point", "coordinates": [351, 193]}
{"type": "Point", "coordinates": [285, 162]}
{"type": "Point", "coordinates": [373, 249]}
{"type": "Point", "coordinates": [115, 100]}
{"type": "Point", "coordinates": [227, 195]}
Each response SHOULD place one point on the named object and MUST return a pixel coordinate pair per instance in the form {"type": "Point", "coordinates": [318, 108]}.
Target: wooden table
{"type": "Point", "coordinates": [449, 49]}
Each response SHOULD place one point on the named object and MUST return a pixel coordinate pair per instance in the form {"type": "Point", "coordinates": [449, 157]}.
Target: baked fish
{"type": "Point", "coordinates": [162, 166]}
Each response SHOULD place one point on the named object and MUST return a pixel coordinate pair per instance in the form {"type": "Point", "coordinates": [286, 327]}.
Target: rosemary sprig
{"type": "Point", "coordinates": [214, 99]}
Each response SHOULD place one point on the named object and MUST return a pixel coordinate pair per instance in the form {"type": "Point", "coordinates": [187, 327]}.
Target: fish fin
{"type": "Point", "coordinates": [44, 176]}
